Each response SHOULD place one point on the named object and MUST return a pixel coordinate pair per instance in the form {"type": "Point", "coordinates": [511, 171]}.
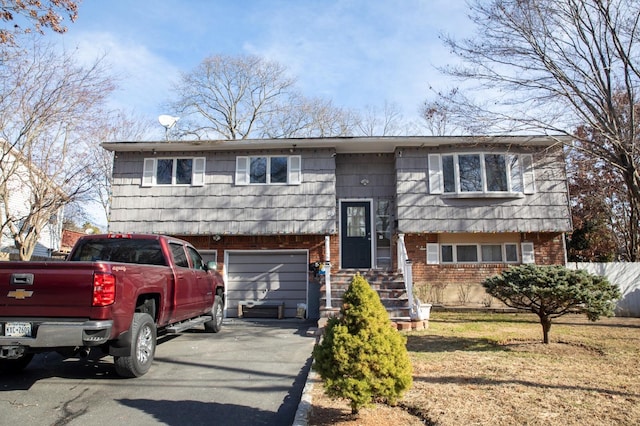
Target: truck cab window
{"type": "Point", "coordinates": [179, 256]}
{"type": "Point", "coordinates": [196, 259]}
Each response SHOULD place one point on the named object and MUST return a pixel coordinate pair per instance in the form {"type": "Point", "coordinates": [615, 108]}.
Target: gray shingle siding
{"type": "Point", "coordinates": [420, 211]}
{"type": "Point", "coordinates": [377, 169]}
{"type": "Point", "coordinates": [220, 206]}
{"type": "Point", "coordinates": [331, 172]}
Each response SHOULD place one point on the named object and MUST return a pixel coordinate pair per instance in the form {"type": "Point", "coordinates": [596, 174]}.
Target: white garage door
{"type": "Point", "coordinates": [274, 276]}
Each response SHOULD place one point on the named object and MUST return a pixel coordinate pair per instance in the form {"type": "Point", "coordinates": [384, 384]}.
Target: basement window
{"type": "Point", "coordinates": [478, 253]}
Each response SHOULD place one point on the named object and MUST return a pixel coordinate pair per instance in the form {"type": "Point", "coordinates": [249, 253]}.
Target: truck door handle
{"type": "Point", "coordinates": [22, 279]}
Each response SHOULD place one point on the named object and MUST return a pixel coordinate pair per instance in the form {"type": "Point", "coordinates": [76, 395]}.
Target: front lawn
{"type": "Point", "coordinates": [481, 368]}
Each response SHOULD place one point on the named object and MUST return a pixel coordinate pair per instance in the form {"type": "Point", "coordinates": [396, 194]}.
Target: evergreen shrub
{"type": "Point", "coordinates": [362, 356]}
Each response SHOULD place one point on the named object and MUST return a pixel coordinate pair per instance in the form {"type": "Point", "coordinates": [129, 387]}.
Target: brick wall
{"type": "Point", "coordinates": [549, 250]}
{"type": "Point", "coordinates": [313, 243]}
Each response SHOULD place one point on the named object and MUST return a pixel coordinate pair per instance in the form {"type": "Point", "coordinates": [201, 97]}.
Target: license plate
{"type": "Point", "coordinates": [17, 329]}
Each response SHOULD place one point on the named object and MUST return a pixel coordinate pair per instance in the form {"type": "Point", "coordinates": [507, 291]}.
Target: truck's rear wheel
{"type": "Point", "coordinates": [143, 347]}
{"type": "Point", "coordinates": [8, 366]}
{"type": "Point", "coordinates": [215, 324]}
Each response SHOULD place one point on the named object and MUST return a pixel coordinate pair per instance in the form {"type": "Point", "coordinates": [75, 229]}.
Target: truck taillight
{"type": "Point", "coordinates": [104, 289]}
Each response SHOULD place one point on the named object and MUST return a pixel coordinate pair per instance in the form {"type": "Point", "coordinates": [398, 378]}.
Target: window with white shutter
{"type": "Point", "coordinates": [173, 171]}
{"type": "Point", "coordinates": [476, 173]}
{"type": "Point", "coordinates": [269, 170]}
{"type": "Point", "coordinates": [528, 255]}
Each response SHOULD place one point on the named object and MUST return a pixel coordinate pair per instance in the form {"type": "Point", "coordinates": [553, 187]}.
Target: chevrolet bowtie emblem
{"type": "Point", "coordinates": [20, 294]}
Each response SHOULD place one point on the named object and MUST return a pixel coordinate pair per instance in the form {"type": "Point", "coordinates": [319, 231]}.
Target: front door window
{"type": "Point", "coordinates": [356, 222]}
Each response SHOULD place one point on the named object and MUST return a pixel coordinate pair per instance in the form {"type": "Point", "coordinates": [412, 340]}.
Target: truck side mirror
{"type": "Point", "coordinates": [212, 266]}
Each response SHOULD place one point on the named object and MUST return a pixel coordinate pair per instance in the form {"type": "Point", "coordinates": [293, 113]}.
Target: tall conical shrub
{"type": "Point", "coordinates": [362, 357]}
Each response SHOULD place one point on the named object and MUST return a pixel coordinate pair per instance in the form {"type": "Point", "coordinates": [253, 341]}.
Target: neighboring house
{"type": "Point", "coordinates": [440, 210]}
{"type": "Point", "coordinates": [69, 239]}
{"type": "Point", "coordinates": [19, 195]}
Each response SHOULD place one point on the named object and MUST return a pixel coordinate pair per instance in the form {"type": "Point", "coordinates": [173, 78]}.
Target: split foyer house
{"type": "Point", "coordinates": [290, 220]}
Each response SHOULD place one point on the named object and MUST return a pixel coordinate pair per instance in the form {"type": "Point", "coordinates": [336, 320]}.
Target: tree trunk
{"type": "Point", "coordinates": [546, 326]}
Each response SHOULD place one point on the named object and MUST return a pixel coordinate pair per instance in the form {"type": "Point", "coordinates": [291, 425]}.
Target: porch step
{"type": "Point", "coordinates": [389, 286]}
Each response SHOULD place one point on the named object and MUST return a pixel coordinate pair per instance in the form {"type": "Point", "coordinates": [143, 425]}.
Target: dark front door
{"type": "Point", "coordinates": [356, 234]}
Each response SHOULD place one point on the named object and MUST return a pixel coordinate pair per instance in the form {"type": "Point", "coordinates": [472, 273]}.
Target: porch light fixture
{"type": "Point", "coordinates": [364, 182]}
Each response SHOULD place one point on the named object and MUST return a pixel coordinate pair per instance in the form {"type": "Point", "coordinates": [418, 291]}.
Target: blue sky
{"type": "Point", "coordinates": [353, 52]}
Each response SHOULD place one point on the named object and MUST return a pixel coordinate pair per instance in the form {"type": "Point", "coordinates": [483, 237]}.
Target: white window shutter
{"type": "Point", "coordinates": [149, 172]}
{"type": "Point", "coordinates": [528, 180]}
{"type": "Point", "coordinates": [528, 255]}
{"type": "Point", "coordinates": [433, 250]}
{"type": "Point", "coordinates": [198, 171]}
{"type": "Point", "coordinates": [435, 174]}
{"type": "Point", "coordinates": [295, 170]}
{"type": "Point", "coordinates": [515, 172]}
{"type": "Point", "coordinates": [242, 170]}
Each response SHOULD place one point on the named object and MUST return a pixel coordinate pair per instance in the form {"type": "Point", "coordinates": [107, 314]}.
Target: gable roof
{"type": "Point", "coordinates": [368, 144]}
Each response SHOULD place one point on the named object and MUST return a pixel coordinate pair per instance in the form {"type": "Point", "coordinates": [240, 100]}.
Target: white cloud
{"type": "Point", "coordinates": [363, 53]}
{"type": "Point", "coordinates": [144, 78]}
{"type": "Point", "coordinates": [353, 52]}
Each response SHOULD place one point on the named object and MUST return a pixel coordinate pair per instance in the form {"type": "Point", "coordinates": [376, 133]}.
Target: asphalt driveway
{"type": "Point", "coordinates": [251, 373]}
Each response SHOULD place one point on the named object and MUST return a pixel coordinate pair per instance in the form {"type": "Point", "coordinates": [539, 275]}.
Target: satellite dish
{"type": "Point", "coordinates": [168, 121]}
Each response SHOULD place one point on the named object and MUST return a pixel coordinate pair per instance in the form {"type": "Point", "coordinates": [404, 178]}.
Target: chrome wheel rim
{"type": "Point", "coordinates": [145, 345]}
{"type": "Point", "coordinates": [218, 313]}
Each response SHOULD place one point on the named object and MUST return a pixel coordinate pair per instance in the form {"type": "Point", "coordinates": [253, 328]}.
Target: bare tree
{"type": "Point", "coordinates": [385, 121]}
{"type": "Point", "coordinates": [40, 15]}
{"type": "Point", "coordinates": [440, 119]}
{"type": "Point", "coordinates": [240, 97]}
{"type": "Point", "coordinates": [299, 117]}
{"type": "Point", "coordinates": [229, 97]}
{"type": "Point", "coordinates": [111, 126]}
{"type": "Point", "coordinates": [555, 65]}
{"type": "Point", "coordinates": [47, 102]}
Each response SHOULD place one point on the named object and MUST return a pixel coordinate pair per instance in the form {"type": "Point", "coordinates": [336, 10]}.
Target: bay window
{"type": "Point", "coordinates": [481, 173]}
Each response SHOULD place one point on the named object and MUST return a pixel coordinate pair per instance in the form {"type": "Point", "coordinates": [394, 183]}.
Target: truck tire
{"type": "Point", "coordinates": [9, 366]}
{"type": "Point", "coordinates": [143, 347]}
{"type": "Point", "coordinates": [215, 325]}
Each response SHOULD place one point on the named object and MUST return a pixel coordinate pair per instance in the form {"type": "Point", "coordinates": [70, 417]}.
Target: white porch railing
{"type": "Point", "coordinates": [327, 270]}
{"type": "Point", "coordinates": [406, 268]}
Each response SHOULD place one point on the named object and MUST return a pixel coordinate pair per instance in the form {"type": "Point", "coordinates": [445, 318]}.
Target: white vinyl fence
{"type": "Point", "coordinates": [626, 276]}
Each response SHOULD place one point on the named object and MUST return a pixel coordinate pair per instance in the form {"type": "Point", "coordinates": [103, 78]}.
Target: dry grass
{"type": "Point", "coordinates": [478, 369]}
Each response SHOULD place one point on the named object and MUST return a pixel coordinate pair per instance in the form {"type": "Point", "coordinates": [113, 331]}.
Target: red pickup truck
{"type": "Point", "coordinates": [114, 292]}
